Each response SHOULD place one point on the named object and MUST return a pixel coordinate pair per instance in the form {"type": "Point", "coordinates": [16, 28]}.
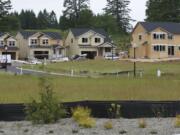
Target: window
{"type": "Point", "coordinates": [159, 48]}
{"type": "Point", "coordinates": [84, 40]}
{"type": "Point", "coordinates": [71, 40]}
{"type": "Point", "coordinates": [170, 36]}
{"type": "Point", "coordinates": [140, 37]}
{"type": "Point", "coordinates": [97, 40]}
{"type": "Point", "coordinates": [179, 48]}
{"type": "Point", "coordinates": [107, 50]}
{"type": "Point", "coordinates": [33, 41]}
{"type": "Point", "coordinates": [45, 42]}
{"type": "Point", "coordinates": [1, 43]}
{"type": "Point", "coordinates": [159, 36]}
{"type": "Point", "coordinates": [11, 43]}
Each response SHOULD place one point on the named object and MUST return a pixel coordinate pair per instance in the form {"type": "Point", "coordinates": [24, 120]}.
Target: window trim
{"type": "Point", "coordinates": [97, 40]}
{"type": "Point", "coordinates": [45, 41]}
{"type": "Point", "coordinates": [84, 40]}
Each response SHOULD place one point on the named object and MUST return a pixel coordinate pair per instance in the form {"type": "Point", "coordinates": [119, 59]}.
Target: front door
{"type": "Point", "coordinates": [171, 50]}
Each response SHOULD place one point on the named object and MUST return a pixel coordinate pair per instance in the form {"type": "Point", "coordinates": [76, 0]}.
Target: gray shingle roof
{"type": "Point", "coordinates": [79, 31]}
{"type": "Point", "coordinates": [1, 33]}
{"type": "Point", "coordinates": [168, 26]}
{"type": "Point", "coordinates": [54, 35]}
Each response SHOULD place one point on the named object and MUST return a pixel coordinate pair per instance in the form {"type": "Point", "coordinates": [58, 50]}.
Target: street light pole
{"type": "Point", "coordinates": [6, 49]}
{"type": "Point", "coordinates": [134, 61]}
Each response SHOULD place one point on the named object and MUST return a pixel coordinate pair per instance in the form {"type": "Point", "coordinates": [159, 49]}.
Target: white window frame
{"type": "Point", "coordinates": [33, 39]}
{"type": "Point", "coordinates": [1, 43]}
{"type": "Point", "coordinates": [45, 41]}
{"type": "Point", "coordinates": [11, 43]}
{"type": "Point", "coordinates": [159, 35]}
{"type": "Point", "coordinates": [159, 45]}
{"type": "Point", "coordinates": [98, 39]}
{"type": "Point", "coordinates": [84, 38]}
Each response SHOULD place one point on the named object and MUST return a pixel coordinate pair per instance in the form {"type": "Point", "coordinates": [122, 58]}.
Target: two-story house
{"type": "Point", "coordinates": [12, 49]}
{"type": "Point", "coordinates": [40, 45]}
{"type": "Point", "coordinates": [93, 42]}
{"type": "Point", "coordinates": [155, 40]}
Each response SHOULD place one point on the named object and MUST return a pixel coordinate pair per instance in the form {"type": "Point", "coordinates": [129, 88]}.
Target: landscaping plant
{"type": "Point", "coordinates": [114, 111]}
{"type": "Point", "coordinates": [108, 125]}
{"type": "Point", "coordinates": [82, 116]}
{"type": "Point", "coordinates": [48, 110]}
{"type": "Point", "coordinates": [142, 123]}
{"type": "Point", "coordinates": [177, 121]}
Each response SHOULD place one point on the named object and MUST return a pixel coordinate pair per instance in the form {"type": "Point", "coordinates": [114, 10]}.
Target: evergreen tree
{"type": "Point", "coordinates": [5, 6]}
{"type": "Point", "coordinates": [53, 20]}
{"type": "Point", "coordinates": [42, 22]}
{"type": "Point", "coordinates": [163, 10]}
{"type": "Point", "coordinates": [73, 9]}
{"type": "Point", "coordinates": [119, 9]}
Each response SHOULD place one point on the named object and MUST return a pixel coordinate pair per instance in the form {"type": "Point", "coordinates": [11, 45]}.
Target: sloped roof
{"type": "Point", "coordinates": [54, 35]}
{"type": "Point", "coordinates": [168, 26]}
{"type": "Point", "coordinates": [79, 31]}
{"type": "Point", "coordinates": [1, 34]}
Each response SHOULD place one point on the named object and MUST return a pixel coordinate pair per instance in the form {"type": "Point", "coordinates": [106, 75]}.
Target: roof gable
{"type": "Point", "coordinates": [53, 35]}
{"type": "Point", "coordinates": [80, 31]}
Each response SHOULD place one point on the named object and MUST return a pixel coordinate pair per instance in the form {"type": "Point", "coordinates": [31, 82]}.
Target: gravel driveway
{"type": "Point", "coordinates": [69, 127]}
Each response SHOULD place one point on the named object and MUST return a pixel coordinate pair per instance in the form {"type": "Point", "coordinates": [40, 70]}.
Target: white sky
{"type": "Point", "coordinates": [137, 6]}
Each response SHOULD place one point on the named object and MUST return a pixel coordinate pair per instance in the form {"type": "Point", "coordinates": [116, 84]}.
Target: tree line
{"type": "Point", "coordinates": [77, 13]}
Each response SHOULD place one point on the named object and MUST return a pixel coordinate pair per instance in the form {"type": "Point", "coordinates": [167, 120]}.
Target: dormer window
{"type": "Point", "coordinates": [84, 40]}
{"type": "Point", "coordinates": [45, 41]}
{"type": "Point", "coordinates": [33, 41]}
{"type": "Point", "coordinates": [11, 43]}
{"type": "Point", "coordinates": [97, 40]}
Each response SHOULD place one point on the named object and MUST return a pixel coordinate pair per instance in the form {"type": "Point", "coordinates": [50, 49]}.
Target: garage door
{"type": "Point", "coordinates": [90, 54]}
{"type": "Point", "coordinates": [13, 54]}
{"type": "Point", "coordinates": [41, 54]}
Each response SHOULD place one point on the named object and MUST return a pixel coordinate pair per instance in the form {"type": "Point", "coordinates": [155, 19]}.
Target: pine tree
{"type": "Point", "coordinates": [5, 6]}
{"type": "Point", "coordinates": [163, 10]}
{"type": "Point", "coordinates": [73, 9]}
{"type": "Point", "coordinates": [53, 20]}
{"type": "Point", "coordinates": [119, 9]}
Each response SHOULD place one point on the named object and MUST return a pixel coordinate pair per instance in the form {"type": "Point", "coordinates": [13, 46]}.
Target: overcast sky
{"type": "Point", "coordinates": [137, 6]}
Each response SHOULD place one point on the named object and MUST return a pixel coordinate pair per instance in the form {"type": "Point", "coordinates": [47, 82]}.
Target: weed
{"type": "Point", "coordinates": [108, 125]}
{"type": "Point", "coordinates": [142, 123]}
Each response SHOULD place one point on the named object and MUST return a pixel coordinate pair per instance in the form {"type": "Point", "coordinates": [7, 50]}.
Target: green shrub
{"type": "Point", "coordinates": [108, 125]}
{"type": "Point", "coordinates": [114, 111]}
{"type": "Point", "coordinates": [87, 122]}
{"type": "Point", "coordinates": [81, 112]}
{"type": "Point", "coordinates": [82, 116]}
{"type": "Point", "coordinates": [142, 123]}
{"type": "Point", "coordinates": [177, 121]}
{"type": "Point", "coordinates": [48, 110]}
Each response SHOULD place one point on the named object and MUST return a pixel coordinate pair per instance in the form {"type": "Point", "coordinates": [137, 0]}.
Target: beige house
{"type": "Point", "coordinates": [10, 41]}
{"type": "Point", "coordinates": [40, 45]}
{"type": "Point", "coordinates": [93, 42]}
{"type": "Point", "coordinates": [155, 40]}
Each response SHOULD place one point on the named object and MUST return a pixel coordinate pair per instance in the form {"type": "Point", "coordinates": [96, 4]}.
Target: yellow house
{"type": "Point", "coordinates": [11, 43]}
{"type": "Point", "coordinates": [155, 40]}
{"type": "Point", "coordinates": [40, 45]}
{"type": "Point", "coordinates": [92, 42]}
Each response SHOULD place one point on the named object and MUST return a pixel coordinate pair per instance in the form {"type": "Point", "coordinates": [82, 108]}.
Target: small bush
{"type": "Point", "coordinates": [122, 132]}
{"type": "Point", "coordinates": [177, 121]}
{"type": "Point", "coordinates": [48, 110]}
{"type": "Point", "coordinates": [81, 112]}
{"type": "Point", "coordinates": [108, 125]}
{"type": "Point", "coordinates": [142, 123]}
{"type": "Point", "coordinates": [153, 132]}
{"type": "Point", "coordinates": [87, 122]}
{"type": "Point", "coordinates": [82, 116]}
{"type": "Point", "coordinates": [114, 111]}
